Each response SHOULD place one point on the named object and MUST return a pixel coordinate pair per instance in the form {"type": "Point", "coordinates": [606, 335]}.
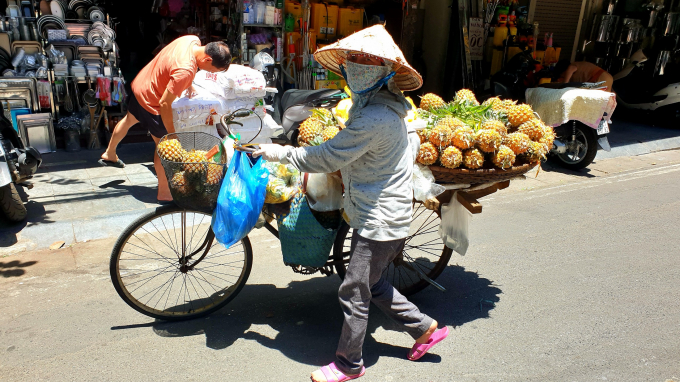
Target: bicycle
{"type": "Point", "coordinates": [168, 265]}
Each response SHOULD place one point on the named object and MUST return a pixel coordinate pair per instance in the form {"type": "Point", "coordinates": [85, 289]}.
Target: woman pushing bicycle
{"type": "Point", "coordinates": [375, 154]}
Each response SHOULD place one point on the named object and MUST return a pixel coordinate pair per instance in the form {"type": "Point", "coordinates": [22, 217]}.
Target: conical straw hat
{"type": "Point", "coordinates": [374, 41]}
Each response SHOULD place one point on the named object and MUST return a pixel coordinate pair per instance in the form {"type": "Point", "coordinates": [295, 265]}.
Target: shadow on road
{"type": "Point", "coordinates": [144, 194]}
{"type": "Point", "coordinates": [305, 319]}
{"type": "Point", "coordinates": [14, 268]}
{"type": "Point", "coordinates": [552, 165]}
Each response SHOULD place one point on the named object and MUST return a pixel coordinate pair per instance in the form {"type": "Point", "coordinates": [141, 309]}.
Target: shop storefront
{"type": "Point", "coordinates": [60, 69]}
{"type": "Point", "coordinates": [482, 40]}
{"type": "Point", "coordinates": [56, 54]}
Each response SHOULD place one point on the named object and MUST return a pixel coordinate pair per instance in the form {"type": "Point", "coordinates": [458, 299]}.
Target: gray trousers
{"type": "Point", "coordinates": [364, 284]}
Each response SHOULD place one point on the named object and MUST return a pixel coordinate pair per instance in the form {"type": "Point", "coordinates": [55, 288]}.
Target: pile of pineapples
{"type": "Point", "coordinates": [320, 127]}
{"type": "Point", "coordinates": [465, 134]}
{"type": "Point", "coordinates": [194, 172]}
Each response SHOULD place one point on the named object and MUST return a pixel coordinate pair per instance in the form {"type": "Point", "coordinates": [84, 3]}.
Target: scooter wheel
{"type": "Point", "coordinates": [11, 204]}
{"type": "Point", "coordinates": [580, 151]}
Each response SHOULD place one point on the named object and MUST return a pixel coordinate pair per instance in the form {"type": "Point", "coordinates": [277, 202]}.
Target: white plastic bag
{"type": "Point", "coordinates": [207, 81]}
{"type": "Point", "coordinates": [324, 192]}
{"type": "Point", "coordinates": [424, 187]}
{"type": "Point", "coordinates": [454, 226]}
{"type": "Point", "coordinates": [188, 112]}
{"type": "Point", "coordinates": [242, 82]}
{"type": "Point", "coordinates": [237, 82]}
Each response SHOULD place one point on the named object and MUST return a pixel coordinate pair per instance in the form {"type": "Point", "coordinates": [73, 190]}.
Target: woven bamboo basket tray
{"type": "Point", "coordinates": [482, 175]}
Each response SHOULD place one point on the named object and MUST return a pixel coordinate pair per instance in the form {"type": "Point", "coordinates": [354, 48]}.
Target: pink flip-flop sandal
{"type": "Point", "coordinates": [419, 350]}
{"type": "Point", "coordinates": [332, 373]}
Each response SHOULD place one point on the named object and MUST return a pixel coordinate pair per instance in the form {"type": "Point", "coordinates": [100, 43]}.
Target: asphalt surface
{"type": "Point", "coordinates": [577, 282]}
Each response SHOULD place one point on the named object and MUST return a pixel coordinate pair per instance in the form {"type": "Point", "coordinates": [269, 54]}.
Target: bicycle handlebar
{"type": "Point", "coordinates": [228, 119]}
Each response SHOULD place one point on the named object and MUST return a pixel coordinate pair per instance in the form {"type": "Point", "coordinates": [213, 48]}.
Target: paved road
{"type": "Point", "coordinates": [583, 275]}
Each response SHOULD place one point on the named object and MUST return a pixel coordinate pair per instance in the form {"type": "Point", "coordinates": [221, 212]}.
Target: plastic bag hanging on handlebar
{"type": "Point", "coordinates": [240, 200]}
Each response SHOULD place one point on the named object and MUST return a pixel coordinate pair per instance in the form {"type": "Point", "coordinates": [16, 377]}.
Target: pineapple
{"type": "Point", "coordinates": [428, 154]}
{"type": "Point", "coordinates": [325, 114]}
{"type": "Point", "coordinates": [517, 142]}
{"type": "Point", "coordinates": [519, 114]}
{"type": "Point", "coordinates": [451, 157]}
{"type": "Point", "coordinates": [171, 150]}
{"type": "Point", "coordinates": [492, 101]}
{"type": "Point", "coordinates": [504, 158]}
{"type": "Point", "coordinates": [494, 124]}
{"type": "Point", "coordinates": [193, 161]}
{"type": "Point", "coordinates": [473, 159]}
{"type": "Point", "coordinates": [329, 133]}
{"type": "Point", "coordinates": [504, 106]}
{"type": "Point", "coordinates": [431, 101]}
{"type": "Point", "coordinates": [534, 128]}
{"type": "Point", "coordinates": [423, 135]}
{"type": "Point", "coordinates": [548, 136]}
{"type": "Point", "coordinates": [310, 129]}
{"type": "Point", "coordinates": [451, 122]}
{"type": "Point", "coordinates": [537, 151]}
{"type": "Point", "coordinates": [214, 175]}
{"type": "Point", "coordinates": [463, 138]}
{"type": "Point", "coordinates": [179, 183]}
{"type": "Point", "coordinates": [488, 140]}
{"type": "Point", "coordinates": [467, 95]}
{"type": "Point", "coordinates": [440, 136]}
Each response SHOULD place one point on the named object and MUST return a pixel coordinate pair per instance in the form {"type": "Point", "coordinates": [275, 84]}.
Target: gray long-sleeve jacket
{"type": "Point", "coordinates": [376, 163]}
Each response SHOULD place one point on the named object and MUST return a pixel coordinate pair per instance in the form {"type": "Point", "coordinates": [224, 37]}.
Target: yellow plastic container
{"type": "Point", "coordinates": [540, 54]}
{"type": "Point", "coordinates": [549, 57]}
{"type": "Point", "coordinates": [350, 20]}
{"type": "Point", "coordinates": [325, 20]}
{"type": "Point", "coordinates": [296, 10]}
{"type": "Point", "coordinates": [496, 61]}
{"type": "Point", "coordinates": [499, 35]}
{"type": "Point", "coordinates": [328, 84]}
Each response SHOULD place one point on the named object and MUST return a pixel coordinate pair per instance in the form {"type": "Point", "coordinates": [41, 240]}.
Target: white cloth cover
{"type": "Point", "coordinates": [559, 106]}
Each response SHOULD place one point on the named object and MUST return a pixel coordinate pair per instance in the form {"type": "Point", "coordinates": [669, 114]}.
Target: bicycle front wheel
{"type": "Point", "coordinates": [168, 265]}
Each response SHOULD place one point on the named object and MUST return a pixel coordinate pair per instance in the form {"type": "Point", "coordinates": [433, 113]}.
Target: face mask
{"type": "Point", "coordinates": [364, 78]}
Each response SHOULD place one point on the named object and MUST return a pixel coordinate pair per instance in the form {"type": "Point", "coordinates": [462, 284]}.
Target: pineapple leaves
{"type": "Point", "coordinates": [465, 110]}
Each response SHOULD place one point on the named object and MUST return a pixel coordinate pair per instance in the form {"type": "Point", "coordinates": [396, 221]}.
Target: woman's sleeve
{"type": "Point", "coordinates": [347, 146]}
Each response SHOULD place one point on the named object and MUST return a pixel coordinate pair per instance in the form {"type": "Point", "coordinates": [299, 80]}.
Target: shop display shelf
{"type": "Point", "coordinates": [262, 26]}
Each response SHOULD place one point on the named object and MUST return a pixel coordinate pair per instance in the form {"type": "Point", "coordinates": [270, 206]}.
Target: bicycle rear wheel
{"type": "Point", "coordinates": [168, 265]}
{"type": "Point", "coordinates": [424, 256]}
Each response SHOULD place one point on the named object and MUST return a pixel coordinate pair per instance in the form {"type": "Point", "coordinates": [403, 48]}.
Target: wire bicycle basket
{"type": "Point", "coordinates": [194, 180]}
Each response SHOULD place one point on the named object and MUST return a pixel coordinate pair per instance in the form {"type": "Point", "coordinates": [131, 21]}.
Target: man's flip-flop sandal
{"type": "Point", "coordinates": [332, 373]}
{"type": "Point", "coordinates": [419, 350]}
{"type": "Point", "coordinates": [108, 163]}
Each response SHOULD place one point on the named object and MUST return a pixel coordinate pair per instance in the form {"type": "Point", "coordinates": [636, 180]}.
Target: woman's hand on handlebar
{"type": "Point", "coordinates": [271, 152]}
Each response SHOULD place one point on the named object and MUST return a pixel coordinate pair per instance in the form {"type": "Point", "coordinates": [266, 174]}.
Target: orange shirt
{"type": "Point", "coordinates": [173, 68]}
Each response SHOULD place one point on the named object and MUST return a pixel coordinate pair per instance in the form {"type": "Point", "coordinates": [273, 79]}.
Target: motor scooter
{"type": "Point", "coordinates": [638, 89]}
{"type": "Point", "coordinates": [576, 144]}
{"type": "Point", "coordinates": [18, 162]}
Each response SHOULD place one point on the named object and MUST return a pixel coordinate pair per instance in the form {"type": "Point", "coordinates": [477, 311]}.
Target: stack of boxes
{"type": "Point", "coordinates": [329, 23]}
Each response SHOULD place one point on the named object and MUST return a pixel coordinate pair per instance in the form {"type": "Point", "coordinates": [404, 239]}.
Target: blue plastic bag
{"type": "Point", "coordinates": [240, 200]}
